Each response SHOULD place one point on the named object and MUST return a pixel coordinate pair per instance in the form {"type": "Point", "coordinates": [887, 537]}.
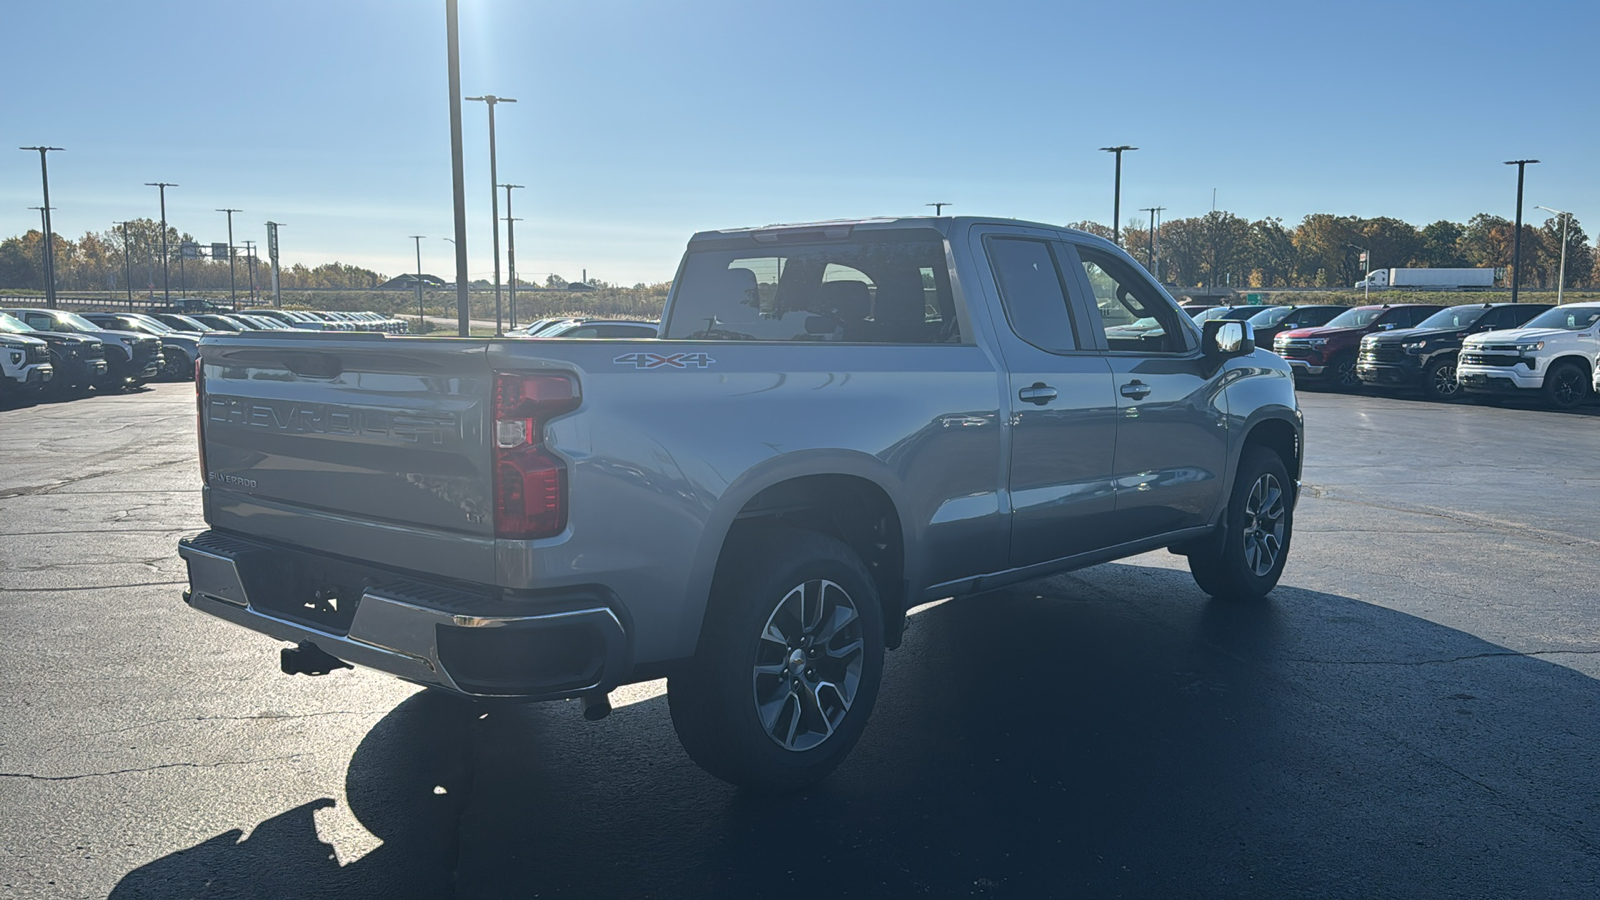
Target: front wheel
{"type": "Point", "coordinates": [1566, 385]}
{"type": "Point", "coordinates": [1245, 558]}
{"type": "Point", "coordinates": [1342, 373]}
{"type": "Point", "coordinates": [789, 662]}
{"type": "Point", "coordinates": [1439, 381]}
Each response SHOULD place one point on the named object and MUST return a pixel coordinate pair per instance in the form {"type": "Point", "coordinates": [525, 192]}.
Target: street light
{"type": "Point", "coordinates": [127, 262]}
{"type": "Point", "coordinates": [44, 216]}
{"type": "Point", "coordinates": [490, 100]}
{"type": "Point", "coordinates": [166, 288]}
{"type": "Point", "coordinates": [1366, 261]}
{"type": "Point", "coordinates": [938, 208]}
{"type": "Point", "coordinates": [418, 238]}
{"type": "Point", "coordinates": [511, 251]}
{"type": "Point", "coordinates": [49, 242]}
{"type": "Point", "coordinates": [1516, 253]}
{"type": "Point", "coordinates": [1566, 217]}
{"type": "Point", "coordinates": [233, 290]}
{"type": "Point", "coordinates": [1116, 205]}
{"type": "Point", "coordinates": [1151, 249]}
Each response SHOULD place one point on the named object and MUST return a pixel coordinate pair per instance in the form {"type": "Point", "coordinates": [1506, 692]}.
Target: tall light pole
{"type": "Point", "coordinates": [233, 289]}
{"type": "Point", "coordinates": [166, 288]}
{"type": "Point", "coordinates": [1561, 277]}
{"type": "Point", "coordinates": [938, 208]}
{"type": "Point", "coordinates": [418, 238]}
{"type": "Point", "coordinates": [127, 262]}
{"type": "Point", "coordinates": [1116, 203]}
{"type": "Point", "coordinates": [272, 257]}
{"type": "Point", "coordinates": [457, 171]}
{"type": "Point", "coordinates": [1516, 252]}
{"type": "Point", "coordinates": [49, 242]}
{"type": "Point", "coordinates": [511, 252]}
{"type": "Point", "coordinates": [1366, 263]}
{"type": "Point", "coordinates": [250, 264]}
{"type": "Point", "coordinates": [1150, 242]}
{"type": "Point", "coordinates": [49, 267]}
{"type": "Point", "coordinates": [490, 100]}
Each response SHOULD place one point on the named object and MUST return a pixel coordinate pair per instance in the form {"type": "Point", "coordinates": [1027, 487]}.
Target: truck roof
{"type": "Point", "coordinates": [943, 224]}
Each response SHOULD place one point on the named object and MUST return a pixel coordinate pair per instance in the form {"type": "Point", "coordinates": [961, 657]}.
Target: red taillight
{"type": "Point", "coordinates": [530, 484]}
{"type": "Point", "coordinates": [200, 415]}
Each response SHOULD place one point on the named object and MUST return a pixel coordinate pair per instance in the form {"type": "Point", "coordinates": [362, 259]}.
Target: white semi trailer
{"type": "Point", "coordinates": [1429, 279]}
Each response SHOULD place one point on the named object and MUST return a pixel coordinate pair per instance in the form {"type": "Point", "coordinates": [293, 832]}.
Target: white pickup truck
{"type": "Point", "coordinates": [24, 362]}
{"type": "Point", "coordinates": [1553, 356]}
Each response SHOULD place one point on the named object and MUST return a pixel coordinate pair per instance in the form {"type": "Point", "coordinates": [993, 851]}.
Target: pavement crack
{"type": "Point", "coordinates": [88, 587]}
{"type": "Point", "coordinates": [28, 776]}
{"type": "Point", "coordinates": [260, 717]}
{"type": "Point", "coordinates": [1446, 661]}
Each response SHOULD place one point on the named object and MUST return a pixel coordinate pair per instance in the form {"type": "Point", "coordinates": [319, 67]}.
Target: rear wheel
{"type": "Point", "coordinates": [175, 366]}
{"type": "Point", "coordinates": [789, 662]}
{"type": "Point", "coordinates": [1342, 372]}
{"type": "Point", "coordinates": [1566, 385]}
{"type": "Point", "coordinates": [1439, 381]}
{"type": "Point", "coordinates": [1245, 558]}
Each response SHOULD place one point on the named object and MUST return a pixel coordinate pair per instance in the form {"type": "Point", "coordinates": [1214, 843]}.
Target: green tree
{"type": "Point", "coordinates": [1580, 257]}
{"type": "Point", "coordinates": [1270, 253]}
{"type": "Point", "coordinates": [1440, 245]}
{"type": "Point", "coordinates": [1324, 256]}
{"type": "Point", "coordinates": [1394, 244]}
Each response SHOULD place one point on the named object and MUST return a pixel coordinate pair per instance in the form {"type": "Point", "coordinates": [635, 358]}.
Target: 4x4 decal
{"type": "Point", "coordinates": [668, 360]}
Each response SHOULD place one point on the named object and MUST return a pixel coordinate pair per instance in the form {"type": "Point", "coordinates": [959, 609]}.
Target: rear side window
{"type": "Point", "coordinates": [1031, 292]}
{"type": "Point", "coordinates": [876, 287]}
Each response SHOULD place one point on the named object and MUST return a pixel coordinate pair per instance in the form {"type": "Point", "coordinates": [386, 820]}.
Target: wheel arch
{"type": "Point", "coordinates": [850, 496]}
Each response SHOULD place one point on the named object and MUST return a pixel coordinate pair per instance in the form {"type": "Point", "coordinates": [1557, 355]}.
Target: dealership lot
{"type": "Point", "coordinates": [1413, 712]}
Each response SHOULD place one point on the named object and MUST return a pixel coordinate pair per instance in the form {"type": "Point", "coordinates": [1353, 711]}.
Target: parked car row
{"type": "Point", "coordinates": [55, 354]}
{"type": "Point", "coordinates": [579, 327]}
{"type": "Point", "coordinates": [1475, 350]}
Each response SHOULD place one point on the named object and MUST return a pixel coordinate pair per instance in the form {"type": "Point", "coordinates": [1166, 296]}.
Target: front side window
{"type": "Point", "coordinates": [1135, 315]}
{"type": "Point", "coordinates": [870, 287]}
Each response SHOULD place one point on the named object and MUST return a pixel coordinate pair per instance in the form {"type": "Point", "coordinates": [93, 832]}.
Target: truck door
{"type": "Point", "coordinates": [1062, 410]}
{"type": "Point", "coordinates": [1172, 433]}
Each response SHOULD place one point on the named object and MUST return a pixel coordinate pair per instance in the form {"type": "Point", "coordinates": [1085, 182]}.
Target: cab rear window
{"type": "Point", "coordinates": [879, 287]}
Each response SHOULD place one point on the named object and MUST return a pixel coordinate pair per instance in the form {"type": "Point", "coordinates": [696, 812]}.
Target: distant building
{"type": "Point", "coordinates": [409, 282]}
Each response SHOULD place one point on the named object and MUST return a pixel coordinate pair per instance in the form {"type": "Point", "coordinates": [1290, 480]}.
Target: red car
{"type": "Point", "coordinates": [1327, 355]}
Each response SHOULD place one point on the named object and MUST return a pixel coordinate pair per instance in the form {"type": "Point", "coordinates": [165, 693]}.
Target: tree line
{"type": "Point", "coordinates": [1220, 249]}
{"type": "Point", "coordinates": [98, 262]}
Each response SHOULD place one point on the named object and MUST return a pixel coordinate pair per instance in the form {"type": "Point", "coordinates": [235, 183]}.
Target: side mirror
{"type": "Point", "coordinates": [1225, 338]}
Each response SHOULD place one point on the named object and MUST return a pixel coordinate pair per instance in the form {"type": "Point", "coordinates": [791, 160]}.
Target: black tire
{"type": "Point", "coordinates": [1566, 385]}
{"type": "Point", "coordinates": [770, 581]}
{"type": "Point", "coordinates": [175, 366]}
{"type": "Point", "coordinates": [1439, 380]}
{"type": "Point", "coordinates": [1245, 558]}
{"type": "Point", "coordinates": [1342, 373]}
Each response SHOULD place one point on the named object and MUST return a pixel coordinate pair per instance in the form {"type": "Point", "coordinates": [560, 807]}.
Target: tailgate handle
{"type": "Point", "coordinates": [313, 365]}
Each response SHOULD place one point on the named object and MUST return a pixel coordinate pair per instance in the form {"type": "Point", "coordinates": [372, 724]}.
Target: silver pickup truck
{"type": "Point", "coordinates": [840, 421]}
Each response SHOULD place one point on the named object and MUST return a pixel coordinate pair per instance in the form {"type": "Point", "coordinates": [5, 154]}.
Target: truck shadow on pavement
{"type": "Point", "coordinates": [1109, 732]}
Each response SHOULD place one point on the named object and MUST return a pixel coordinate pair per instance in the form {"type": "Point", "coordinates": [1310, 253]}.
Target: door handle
{"type": "Point", "coordinates": [1136, 390]}
{"type": "Point", "coordinates": [1040, 393]}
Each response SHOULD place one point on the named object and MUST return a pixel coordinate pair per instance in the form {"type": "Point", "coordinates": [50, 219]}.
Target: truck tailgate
{"type": "Point", "coordinates": [353, 444]}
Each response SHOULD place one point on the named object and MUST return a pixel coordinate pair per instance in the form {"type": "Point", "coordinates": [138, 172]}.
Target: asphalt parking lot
{"type": "Point", "coordinates": [1412, 712]}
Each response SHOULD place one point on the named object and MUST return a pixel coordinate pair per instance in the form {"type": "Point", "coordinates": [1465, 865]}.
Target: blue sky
{"type": "Point", "coordinates": [639, 123]}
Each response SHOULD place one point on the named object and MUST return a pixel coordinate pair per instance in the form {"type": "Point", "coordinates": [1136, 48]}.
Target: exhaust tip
{"type": "Point", "coordinates": [596, 706]}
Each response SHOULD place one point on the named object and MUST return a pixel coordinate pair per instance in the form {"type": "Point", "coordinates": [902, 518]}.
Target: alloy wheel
{"type": "Point", "coordinates": [1569, 386]}
{"type": "Point", "coordinates": [808, 665]}
{"type": "Point", "coordinates": [1263, 525]}
{"type": "Point", "coordinates": [1444, 381]}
